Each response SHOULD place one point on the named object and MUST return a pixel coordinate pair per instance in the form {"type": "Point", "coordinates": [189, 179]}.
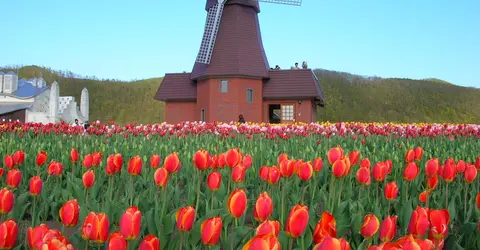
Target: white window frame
{"type": "Point", "coordinates": [250, 91]}
{"type": "Point", "coordinates": [222, 82]}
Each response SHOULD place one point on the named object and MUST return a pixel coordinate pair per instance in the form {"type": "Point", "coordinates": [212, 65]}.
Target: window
{"type": "Point", "coordinates": [249, 95]}
{"type": "Point", "coordinates": [202, 115]}
{"type": "Point", "coordinates": [287, 112]}
{"type": "Point", "coordinates": [224, 86]}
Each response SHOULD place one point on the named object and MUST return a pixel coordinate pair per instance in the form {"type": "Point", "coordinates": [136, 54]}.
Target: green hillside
{"type": "Point", "coordinates": [349, 98]}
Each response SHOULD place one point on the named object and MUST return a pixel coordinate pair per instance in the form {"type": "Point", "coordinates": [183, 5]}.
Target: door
{"type": "Point", "coordinates": [288, 113]}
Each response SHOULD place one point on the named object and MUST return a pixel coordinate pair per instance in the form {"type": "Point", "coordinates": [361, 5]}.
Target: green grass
{"type": "Point", "coordinates": [349, 98]}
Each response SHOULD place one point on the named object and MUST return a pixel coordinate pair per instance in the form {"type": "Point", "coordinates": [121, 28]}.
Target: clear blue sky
{"type": "Point", "coordinates": [148, 38]}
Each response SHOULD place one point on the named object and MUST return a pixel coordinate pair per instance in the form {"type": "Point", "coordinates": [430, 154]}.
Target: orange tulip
{"type": "Point", "coordinates": [263, 207]}
{"type": "Point", "coordinates": [410, 156]}
{"type": "Point", "coordinates": [419, 222]}
{"type": "Point", "coordinates": [297, 221]}
{"type": "Point", "coordinates": [432, 166]}
{"type": "Point", "coordinates": [335, 154]}
{"type": "Point", "coordinates": [74, 155]}
{"type": "Point", "coordinates": [232, 157]}
{"type": "Point", "coordinates": [14, 177]}
{"type": "Point", "coordinates": [96, 227]}
{"type": "Point", "coordinates": [305, 171]}
{"type": "Point", "coordinates": [88, 161]}
{"type": "Point", "coordinates": [161, 177]}
{"type": "Point", "coordinates": [326, 227]}
{"type": "Point", "coordinates": [379, 171]}
{"type": "Point", "coordinates": [88, 179]}
{"type": "Point", "coordinates": [211, 229]}
{"type": "Point", "coordinates": [135, 165]}
{"type": "Point", "coordinates": [341, 168]}
{"type": "Point", "coordinates": [97, 158]}
{"type": "Point", "coordinates": [7, 200]}
{"type": "Point", "coordinates": [391, 191]}
{"type": "Point", "coordinates": [130, 223]}
{"type": "Point", "coordinates": [264, 242]}
{"type": "Point", "coordinates": [363, 176]}
{"type": "Point", "coordinates": [469, 175]}
{"type": "Point", "coordinates": [317, 164]}
{"type": "Point", "coordinates": [238, 173]}
{"type": "Point", "coordinates": [388, 229]}
{"type": "Point", "coordinates": [155, 161]}
{"type": "Point", "coordinates": [41, 158]}
{"type": "Point", "coordinates": [237, 203]}
{"type": "Point", "coordinates": [185, 218]}
{"type": "Point", "coordinates": [268, 227]}
{"type": "Point", "coordinates": [18, 157]}
{"type": "Point", "coordinates": [330, 243]}
{"type": "Point", "coordinates": [418, 153]}
{"type": "Point", "coordinates": [200, 159]}
{"type": "Point", "coordinates": [370, 226]}
{"type": "Point", "coordinates": [8, 161]}
{"type": "Point", "coordinates": [439, 223]}
{"type": "Point", "coordinates": [69, 213]}
{"type": "Point", "coordinates": [214, 180]}
{"type": "Point", "coordinates": [8, 234]}
{"type": "Point", "coordinates": [410, 171]}
{"type": "Point", "coordinates": [117, 241]}
{"type": "Point", "coordinates": [35, 185]}
{"type": "Point", "coordinates": [354, 156]}
{"type": "Point", "coordinates": [287, 167]}
{"type": "Point", "coordinates": [172, 163]}
{"type": "Point", "coordinates": [150, 242]}
{"type": "Point", "coordinates": [281, 158]}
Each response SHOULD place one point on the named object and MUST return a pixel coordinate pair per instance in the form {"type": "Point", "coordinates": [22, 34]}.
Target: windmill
{"type": "Point", "coordinates": [215, 17]}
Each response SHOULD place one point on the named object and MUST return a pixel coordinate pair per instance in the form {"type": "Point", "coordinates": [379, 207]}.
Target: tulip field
{"type": "Point", "coordinates": [240, 186]}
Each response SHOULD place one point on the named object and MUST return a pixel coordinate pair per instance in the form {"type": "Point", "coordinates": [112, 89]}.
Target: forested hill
{"type": "Point", "coordinates": [349, 98]}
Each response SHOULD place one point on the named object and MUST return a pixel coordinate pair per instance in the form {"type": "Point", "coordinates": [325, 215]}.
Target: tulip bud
{"type": "Point", "coordinates": [238, 173]}
{"type": "Point", "coordinates": [8, 161]}
{"type": "Point", "coordinates": [287, 167]}
{"type": "Point", "coordinates": [363, 176]}
{"type": "Point", "coordinates": [18, 157]}
{"type": "Point", "coordinates": [461, 166]}
{"type": "Point", "coordinates": [211, 230]}
{"type": "Point", "coordinates": [97, 158]}
{"type": "Point", "coordinates": [130, 223]}
{"type": "Point", "coordinates": [469, 175]}
{"type": "Point", "coordinates": [263, 207]}
{"type": "Point", "coordinates": [74, 155]}
{"type": "Point", "coordinates": [214, 180]}
{"type": "Point", "coordinates": [185, 218]}
{"type": "Point", "coordinates": [88, 161]}
{"type": "Point", "coordinates": [388, 229]}
{"type": "Point", "coordinates": [447, 172]}
{"type": "Point", "coordinates": [423, 196]}
{"type": "Point", "coordinates": [41, 158]}
{"type": "Point", "coordinates": [297, 221]}
{"type": "Point", "coordinates": [305, 171]}
{"type": "Point", "coordinates": [161, 177]}
{"type": "Point", "coordinates": [370, 226]}
{"type": "Point", "coordinates": [7, 200]}
{"type": "Point", "coordinates": [281, 158]}
{"type": "Point", "coordinates": [150, 242]}
{"type": "Point", "coordinates": [365, 163]}
{"type": "Point", "coordinates": [200, 159]}
{"type": "Point", "coordinates": [317, 164]}
{"type": "Point", "coordinates": [391, 191]}
{"type": "Point", "coordinates": [237, 203]}
{"type": "Point", "coordinates": [379, 171]}
{"type": "Point", "coordinates": [88, 179]}
{"type": "Point", "coordinates": [410, 171]}
{"type": "Point", "coordinates": [69, 213]}
{"type": "Point", "coordinates": [247, 161]}
{"type": "Point", "coordinates": [135, 165]}
{"type": "Point", "coordinates": [232, 157]}
{"type": "Point", "coordinates": [172, 163]}
{"type": "Point", "coordinates": [432, 182]}
{"type": "Point", "coordinates": [418, 153]}
{"type": "Point", "coordinates": [14, 177]}
{"type": "Point", "coordinates": [431, 167]}
{"type": "Point", "coordinates": [155, 161]}
{"type": "Point", "coordinates": [410, 156]}
{"type": "Point", "coordinates": [35, 185]}
{"type": "Point", "coordinates": [354, 156]}
{"type": "Point", "coordinates": [341, 167]}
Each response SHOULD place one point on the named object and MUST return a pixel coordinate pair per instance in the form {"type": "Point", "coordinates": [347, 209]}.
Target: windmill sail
{"type": "Point", "coordinates": [210, 34]}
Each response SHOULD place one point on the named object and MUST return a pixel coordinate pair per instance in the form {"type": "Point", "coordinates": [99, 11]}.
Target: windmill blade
{"type": "Point", "coordinates": [210, 33]}
{"type": "Point", "coordinates": [288, 2]}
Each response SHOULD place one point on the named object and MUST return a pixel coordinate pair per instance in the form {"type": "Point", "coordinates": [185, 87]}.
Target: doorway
{"type": "Point", "coordinates": [274, 112]}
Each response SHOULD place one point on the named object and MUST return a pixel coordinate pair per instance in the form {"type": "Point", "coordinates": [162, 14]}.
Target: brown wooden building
{"type": "Point", "coordinates": [231, 76]}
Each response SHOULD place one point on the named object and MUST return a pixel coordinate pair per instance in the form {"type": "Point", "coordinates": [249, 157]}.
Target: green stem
{"type": "Point", "coordinates": [465, 203]}
{"type": "Point", "coordinates": [290, 244]}
{"type": "Point", "coordinates": [198, 189]}
{"type": "Point", "coordinates": [181, 241]}
{"type": "Point", "coordinates": [303, 191]}
{"type": "Point", "coordinates": [164, 200]}
{"type": "Point", "coordinates": [340, 191]}
{"type": "Point", "coordinates": [446, 195]}
{"type": "Point", "coordinates": [110, 188]}
{"type": "Point", "coordinates": [282, 205]}
{"type": "Point", "coordinates": [231, 236]}
{"type": "Point", "coordinates": [86, 198]}
{"type": "Point", "coordinates": [315, 183]}
{"type": "Point", "coordinates": [131, 190]}
{"type": "Point", "coordinates": [33, 210]}
{"type": "Point", "coordinates": [406, 190]}
{"type": "Point", "coordinates": [73, 169]}
{"type": "Point", "coordinates": [213, 198]}
{"type": "Point", "coordinates": [389, 206]}
{"type": "Point", "coordinates": [86, 245]}
{"type": "Point", "coordinates": [332, 193]}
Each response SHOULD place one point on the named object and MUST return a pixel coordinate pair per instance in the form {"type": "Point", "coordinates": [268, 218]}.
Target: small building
{"type": "Point", "coordinates": [232, 76]}
{"type": "Point", "coordinates": [33, 101]}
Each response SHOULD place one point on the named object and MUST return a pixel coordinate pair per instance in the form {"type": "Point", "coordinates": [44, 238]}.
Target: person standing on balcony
{"type": "Point", "coordinates": [304, 65]}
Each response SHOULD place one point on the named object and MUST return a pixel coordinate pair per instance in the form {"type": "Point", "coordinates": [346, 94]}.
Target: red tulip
{"type": "Point", "coordinates": [365, 163]}
{"type": "Point", "coordinates": [200, 159]}
{"type": "Point", "coordinates": [172, 163]}
{"type": "Point", "coordinates": [214, 180]}
{"type": "Point", "coordinates": [155, 161]}
{"type": "Point", "coordinates": [432, 182]}
{"type": "Point", "coordinates": [469, 175]}
{"type": "Point", "coordinates": [410, 156]}
{"type": "Point", "coordinates": [135, 165]}
{"type": "Point", "coordinates": [69, 213]}
{"type": "Point", "coordinates": [232, 157]}
{"type": "Point", "coordinates": [161, 177]}
{"type": "Point", "coordinates": [97, 158]}
{"type": "Point", "coordinates": [354, 156]}
{"type": "Point", "coordinates": [237, 203]}
{"type": "Point", "coordinates": [281, 158]}
{"type": "Point", "coordinates": [8, 161]}
{"type": "Point", "coordinates": [150, 242]}
{"type": "Point", "coordinates": [379, 171]}
{"type": "Point", "coordinates": [247, 161]}
{"type": "Point", "coordinates": [263, 173]}
{"type": "Point", "coordinates": [273, 175]}
{"type": "Point", "coordinates": [117, 241]}
{"type": "Point", "coordinates": [211, 229]}
{"type": "Point", "coordinates": [391, 191]}
{"type": "Point", "coordinates": [439, 223]}
{"type": "Point", "coordinates": [388, 229]}
{"type": "Point", "coordinates": [447, 172]}
{"type": "Point", "coordinates": [185, 218]}
{"type": "Point", "coordinates": [461, 166]}
{"type": "Point", "coordinates": [74, 155]}
{"type": "Point", "coordinates": [370, 226]}
{"type": "Point", "coordinates": [410, 172]}
{"type": "Point", "coordinates": [267, 242]}
{"type": "Point", "coordinates": [388, 165]}
{"type": "Point", "coordinates": [478, 201]}
{"type": "Point", "coordinates": [7, 200]}
{"type": "Point", "coordinates": [326, 227]}
{"type": "Point", "coordinates": [268, 227]}
{"type": "Point", "coordinates": [335, 154]}
{"type": "Point", "coordinates": [8, 234]}
{"type": "Point", "coordinates": [305, 171]}
{"type": "Point", "coordinates": [363, 176]}
{"type": "Point", "coordinates": [263, 207]}
{"type": "Point", "coordinates": [287, 167]}
{"type": "Point", "coordinates": [418, 153]}
{"type": "Point", "coordinates": [341, 168]}
{"type": "Point", "coordinates": [130, 223]}
{"type": "Point", "coordinates": [35, 236]}
{"type": "Point", "coordinates": [41, 158]}
{"type": "Point", "coordinates": [317, 164]}
{"type": "Point", "coordinates": [88, 179]}
{"type": "Point", "coordinates": [88, 161]}
{"type": "Point", "coordinates": [18, 157]}
{"type": "Point", "coordinates": [432, 166]}
{"type": "Point", "coordinates": [221, 160]}
{"type": "Point", "coordinates": [238, 173]}
{"type": "Point", "coordinates": [118, 162]}
{"type": "Point", "coordinates": [110, 168]}
{"type": "Point", "coordinates": [330, 243]}
{"type": "Point", "coordinates": [297, 221]}
{"type": "Point", "coordinates": [96, 227]}
{"type": "Point", "coordinates": [14, 177]}
{"type": "Point", "coordinates": [35, 185]}
{"type": "Point", "coordinates": [423, 196]}
{"type": "Point", "coordinates": [419, 222]}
